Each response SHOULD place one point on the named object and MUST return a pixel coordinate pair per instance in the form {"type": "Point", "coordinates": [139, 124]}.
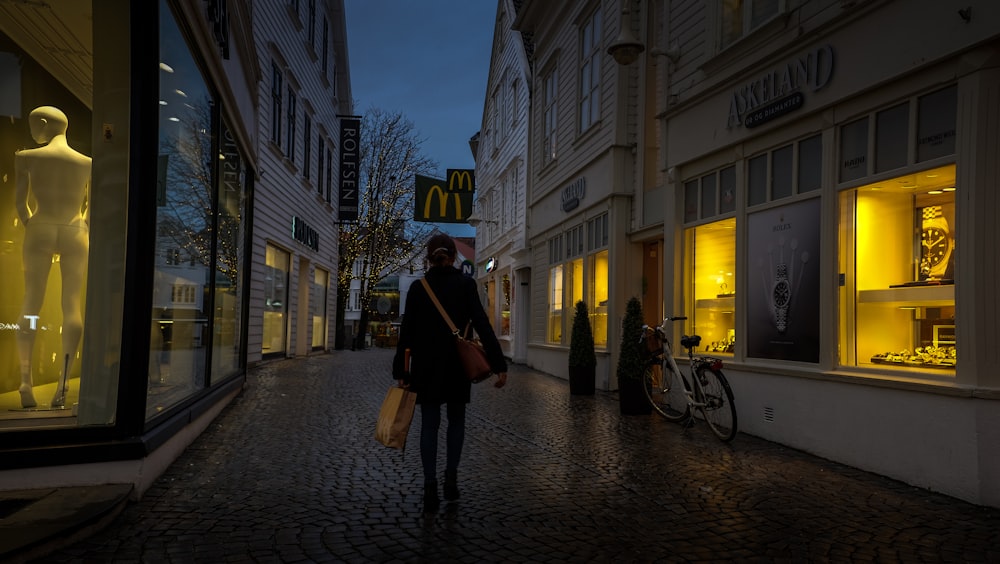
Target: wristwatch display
{"type": "Point", "coordinates": [781, 295]}
{"type": "Point", "coordinates": [935, 243]}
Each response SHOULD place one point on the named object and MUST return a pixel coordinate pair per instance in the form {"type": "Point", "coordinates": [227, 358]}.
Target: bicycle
{"type": "Point", "coordinates": [677, 397]}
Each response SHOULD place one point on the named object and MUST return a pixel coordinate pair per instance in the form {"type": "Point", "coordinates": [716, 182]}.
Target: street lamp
{"type": "Point", "coordinates": [626, 47]}
{"type": "Point", "coordinates": [474, 221]}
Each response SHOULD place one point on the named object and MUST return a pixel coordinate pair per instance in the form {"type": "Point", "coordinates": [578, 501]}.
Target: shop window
{"type": "Point", "coordinates": [891, 137]}
{"type": "Point", "coordinates": [897, 258]}
{"type": "Point", "coordinates": [187, 119]}
{"type": "Point", "coordinates": [854, 150]}
{"type": "Point", "coordinates": [709, 271]}
{"type": "Point", "coordinates": [276, 270]}
{"type": "Point", "coordinates": [711, 195]}
{"type": "Point", "coordinates": [936, 124]}
{"type": "Point", "coordinates": [318, 301]}
{"type": "Point", "coordinates": [555, 306]}
{"type": "Point", "coordinates": [727, 190]}
{"type": "Point", "coordinates": [598, 278]}
{"type": "Point", "coordinates": [708, 196]}
{"type": "Point", "coordinates": [598, 303]}
{"type": "Point", "coordinates": [788, 170]}
{"type": "Point", "coordinates": [810, 174]}
{"type": "Point", "coordinates": [781, 173]}
{"type": "Point", "coordinates": [505, 306]}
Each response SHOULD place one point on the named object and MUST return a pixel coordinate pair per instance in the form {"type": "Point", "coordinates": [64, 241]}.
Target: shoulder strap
{"type": "Point", "coordinates": [444, 314]}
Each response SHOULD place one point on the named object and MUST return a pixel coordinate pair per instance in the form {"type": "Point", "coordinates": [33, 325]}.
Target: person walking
{"type": "Point", "coordinates": [435, 373]}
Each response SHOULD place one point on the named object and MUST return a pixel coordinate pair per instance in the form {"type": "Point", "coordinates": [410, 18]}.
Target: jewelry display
{"type": "Point", "coordinates": [927, 357]}
{"type": "Point", "coordinates": [781, 288]}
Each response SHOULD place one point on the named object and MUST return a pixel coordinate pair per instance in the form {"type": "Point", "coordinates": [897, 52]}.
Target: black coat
{"type": "Point", "coordinates": [435, 372]}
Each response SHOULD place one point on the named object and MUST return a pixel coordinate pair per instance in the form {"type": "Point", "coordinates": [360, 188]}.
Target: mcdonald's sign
{"type": "Point", "coordinates": [444, 202]}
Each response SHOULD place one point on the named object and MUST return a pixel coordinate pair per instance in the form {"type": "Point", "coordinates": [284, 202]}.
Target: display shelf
{"type": "Point", "coordinates": [931, 296]}
{"type": "Point", "coordinates": [727, 303]}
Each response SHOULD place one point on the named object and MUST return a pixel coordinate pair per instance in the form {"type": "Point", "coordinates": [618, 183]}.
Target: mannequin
{"type": "Point", "coordinates": [56, 222]}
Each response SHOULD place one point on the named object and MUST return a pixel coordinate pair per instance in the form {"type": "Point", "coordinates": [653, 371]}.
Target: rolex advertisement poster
{"type": "Point", "coordinates": [783, 270]}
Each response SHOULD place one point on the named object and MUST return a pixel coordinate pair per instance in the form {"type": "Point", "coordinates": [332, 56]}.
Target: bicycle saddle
{"type": "Point", "coordinates": [690, 342]}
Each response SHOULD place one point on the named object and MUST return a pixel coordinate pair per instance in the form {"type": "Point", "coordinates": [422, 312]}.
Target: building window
{"type": "Point", "coordinates": [326, 46]}
{"type": "Point", "coordinates": [792, 169]}
{"type": "Point", "coordinates": [329, 173]}
{"type": "Point", "coordinates": [320, 154]}
{"type": "Point", "coordinates": [312, 25]}
{"type": "Point", "coordinates": [709, 270]}
{"type": "Point", "coordinates": [319, 299]}
{"type": "Point", "coordinates": [740, 17]}
{"type": "Point", "coordinates": [555, 305]}
{"type": "Point", "coordinates": [549, 117]}
{"type": "Point", "coordinates": [590, 71]}
{"type": "Point", "coordinates": [306, 147]}
{"type": "Point", "coordinates": [276, 268]}
{"type": "Point", "coordinates": [598, 278]}
{"type": "Point", "coordinates": [290, 151]}
{"type": "Point", "coordinates": [505, 306]}
{"type": "Point", "coordinates": [493, 125]}
{"type": "Point", "coordinates": [276, 87]}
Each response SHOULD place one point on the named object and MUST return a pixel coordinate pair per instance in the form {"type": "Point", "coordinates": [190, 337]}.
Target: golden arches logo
{"type": "Point", "coordinates": [442, 202]}
{"type": "Point", "coordinates": [461, 180]}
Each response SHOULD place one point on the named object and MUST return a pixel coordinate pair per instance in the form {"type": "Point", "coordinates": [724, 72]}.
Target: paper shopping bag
{"type": "Point", "coordinates": [394, 417]}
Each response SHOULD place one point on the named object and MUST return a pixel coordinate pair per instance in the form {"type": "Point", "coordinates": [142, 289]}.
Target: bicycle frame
{"type": "Point", "coordinates": [705, 395]}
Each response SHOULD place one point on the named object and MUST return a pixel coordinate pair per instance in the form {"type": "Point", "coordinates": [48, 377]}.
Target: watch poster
{"type": "Point", "coordinates": [783, 270]}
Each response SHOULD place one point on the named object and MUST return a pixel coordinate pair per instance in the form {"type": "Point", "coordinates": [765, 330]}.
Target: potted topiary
{"type": "Point", "coordinates": [582, 359]}
{"type": "Point", "coordinates": [631, 363]}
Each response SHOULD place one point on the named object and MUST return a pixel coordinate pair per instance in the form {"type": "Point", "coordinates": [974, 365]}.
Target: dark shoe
{"type": "Point", "coordinates": [431, 502]}
{"type": "Point", "coordinates": [451, 485]}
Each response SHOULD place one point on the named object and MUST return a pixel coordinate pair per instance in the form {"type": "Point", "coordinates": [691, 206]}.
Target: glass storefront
{"type": "Point", "coordinates": [710, 254]}
{"type": "Point", "coordinates": [64, 156]}
{"type": "Point", "coordinates": [320, 287]}
{"type": "Point", "coordinates": [276, 271]}
{"type": "Point", "coordinates": [581, 275]}
{"type": "Point", "coordinates": [898, 241]}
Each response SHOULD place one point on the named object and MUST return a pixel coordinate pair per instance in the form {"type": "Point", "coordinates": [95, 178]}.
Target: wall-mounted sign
{"type": "Point", "coordinates": [453, 198]}
{"type": "Point", "coordinates": [573, 194]}
{"type": "Point", "coordinates": [771, 94]}
{"type": "Point", "coordinates": [491, 264]}
{"type": "Point", "coordinates": [468, 268]}
{"type": "Point", "coordinates": [304, 234]}
{"type": "Point", "coordinates": [350, 130]}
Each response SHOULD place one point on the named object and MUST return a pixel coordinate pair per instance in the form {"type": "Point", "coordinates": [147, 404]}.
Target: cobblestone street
{"type": "Point", "coordinates": [290, 472]}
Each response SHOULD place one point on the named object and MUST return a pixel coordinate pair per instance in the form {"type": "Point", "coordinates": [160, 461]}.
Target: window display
{"type": "Point", "coordinates": [56, 179]}
{"type": "Point", "coordinates": [276, 269]}
{"type": "Point", "coordinates": [710, 274]}
{"type": "Point", "coordinates": [898, 254]}
{"type": "Point", "coordinates": [319, 298]}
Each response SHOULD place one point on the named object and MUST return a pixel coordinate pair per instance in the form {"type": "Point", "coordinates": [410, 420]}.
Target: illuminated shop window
{"type": "Point", "coordinates": [599, 297]}
{"type": "Point", "coordinates": [897, 240]}
{"type": "Point", "coordinates": [318, 301]}
{"type": "Point", "coordinates": [709, 270]}
{"type": "Point", "coordinates": [505, 307]}
{"type": "Point", "coordinates": [597, 283]}
{"type": "Point", "coordinates": [276, 268]}
{"type": "Point", "coordinates": [555, 305]}
{"type": "Point", "coordinates": [898, 243]}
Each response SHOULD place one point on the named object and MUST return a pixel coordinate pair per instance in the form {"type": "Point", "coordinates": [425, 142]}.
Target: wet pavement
{"type": "Point", "coordinates": [290, 472]}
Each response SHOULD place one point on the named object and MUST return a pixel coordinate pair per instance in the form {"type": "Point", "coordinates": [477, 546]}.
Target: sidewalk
{"type": "Point", "coordinates": [290, 472]}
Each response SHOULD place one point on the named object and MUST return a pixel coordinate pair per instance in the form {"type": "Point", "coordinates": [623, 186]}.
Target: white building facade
{"type": "Point", "coordinates": [306, 119]}
{"type": "Point", "coordinates": [818, 202]}
{"type": "Point", "coordinates": [503, 269]}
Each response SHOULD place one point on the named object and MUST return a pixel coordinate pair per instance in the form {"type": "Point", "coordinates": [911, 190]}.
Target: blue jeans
{"type": "Point", "coordinates": [430, 422]}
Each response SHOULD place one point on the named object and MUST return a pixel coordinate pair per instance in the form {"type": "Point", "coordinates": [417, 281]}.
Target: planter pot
{"type": "Point", "coordinates": [632, 399]}
{"type": "Point", "coordinates": [581, 380]}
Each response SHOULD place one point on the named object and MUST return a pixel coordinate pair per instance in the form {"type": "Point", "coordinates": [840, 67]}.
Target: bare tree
{"type": "Point", "coordinates": [385, 239]}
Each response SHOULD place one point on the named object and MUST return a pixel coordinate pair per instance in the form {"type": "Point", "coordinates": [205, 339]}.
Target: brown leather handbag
{"type": "Point", "coordinates": [470, 352]}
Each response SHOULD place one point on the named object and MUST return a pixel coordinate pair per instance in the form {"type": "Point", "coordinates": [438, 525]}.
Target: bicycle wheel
{"type": "Point", "coordinates": [719, 410]}
{"type": "Point", "coordinates": [667, 395]}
